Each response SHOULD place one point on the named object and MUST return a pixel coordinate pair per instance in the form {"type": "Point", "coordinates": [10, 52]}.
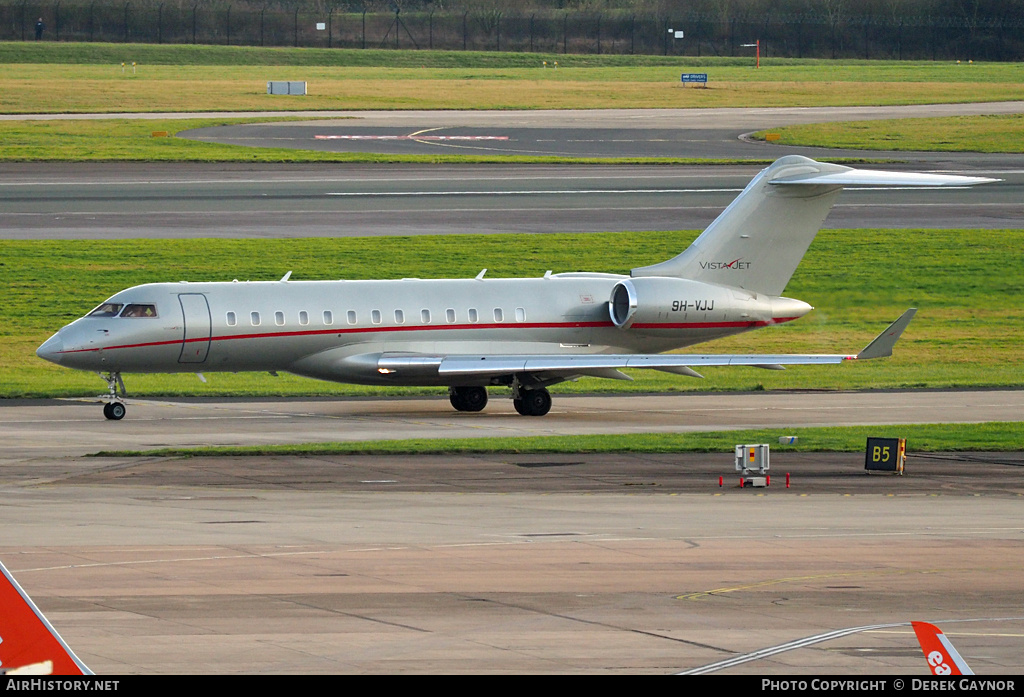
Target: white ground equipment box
{"type": "Point", "coordinates": [285, 87]}
{"type": "Point", "coordinates": [752, 457]}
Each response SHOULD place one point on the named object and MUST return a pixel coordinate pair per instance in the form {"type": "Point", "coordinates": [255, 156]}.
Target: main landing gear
{"type": "Point", "coordinates": [115, 408]}
{"type": "Point", "coordinates": [528, 402]}
{"type": "Point", "coordinates": [468, 398]}
{"type": "Point", "coordinates": [535, 402]}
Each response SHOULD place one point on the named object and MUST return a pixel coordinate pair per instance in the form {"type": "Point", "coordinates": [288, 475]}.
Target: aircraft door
{"type": "Point", "coordinates": [195, 343]}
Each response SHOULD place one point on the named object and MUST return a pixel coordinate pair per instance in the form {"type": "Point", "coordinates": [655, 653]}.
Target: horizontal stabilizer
{"type": "Point", "coordinates": [871, 177]}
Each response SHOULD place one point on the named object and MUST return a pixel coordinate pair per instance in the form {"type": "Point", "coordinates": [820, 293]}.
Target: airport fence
{"type": "Point", "coordinates": [800, 35]}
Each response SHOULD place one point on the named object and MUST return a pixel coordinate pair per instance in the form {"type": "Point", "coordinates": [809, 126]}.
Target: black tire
{"type": "Point", "coordinates": [468, 398]}
{"type": "Point", "coordinates": [533, 402]}
{"type": "Point", "coordinates": [114, 411]}
{"type": "Point", "coordinates": [455, 397]}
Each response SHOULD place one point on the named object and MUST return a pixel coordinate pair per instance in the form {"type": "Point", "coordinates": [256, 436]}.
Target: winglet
{"type": "Point", "coordinates": [27, 639]}
{"type": "Point", "coordinates": [942, 658]}
{"type": "Point", "coordinates": [883, 343]}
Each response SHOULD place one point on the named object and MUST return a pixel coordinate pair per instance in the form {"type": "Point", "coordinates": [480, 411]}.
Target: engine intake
{"type": "Point", "coordinates": [623, 303]}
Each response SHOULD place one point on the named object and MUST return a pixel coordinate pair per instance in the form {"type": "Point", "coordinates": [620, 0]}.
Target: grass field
{"type": "Point", "coordinates": [994, 437]}
{"type": "Point", "coordinates": [967, 285]}
{"type": "Point", "coordinates": [54, 88]}
{"type": "Point", "coordinates": [71, 78]}
{"type": "Point", "coordinates": [951, 134]}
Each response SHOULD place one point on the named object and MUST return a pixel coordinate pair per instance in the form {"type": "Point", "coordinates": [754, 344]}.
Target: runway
{"type": "Point", "coordinates": [129, 201]}
{"type": "Point", "coordinates": [501, 564]}
{"type": "Point", "coordinates": [124, 201]}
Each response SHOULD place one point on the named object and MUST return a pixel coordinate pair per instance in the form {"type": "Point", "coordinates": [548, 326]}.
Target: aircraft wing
{"type": "Point", "coordinates": [609, 365]}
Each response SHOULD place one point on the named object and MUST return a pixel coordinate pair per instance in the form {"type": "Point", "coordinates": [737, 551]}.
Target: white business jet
{"type": "Point", "coordinates": [470, 334]}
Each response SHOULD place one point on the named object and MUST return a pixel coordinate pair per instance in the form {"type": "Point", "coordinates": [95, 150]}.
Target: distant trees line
{"type": "Point", "coordinates": [892, 29]}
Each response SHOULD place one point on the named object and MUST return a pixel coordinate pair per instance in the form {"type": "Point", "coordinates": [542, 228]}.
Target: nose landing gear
{"type": "Point", "coordinates": [114, 411]}
{"type": "Point", "coordinates": [115, 408]}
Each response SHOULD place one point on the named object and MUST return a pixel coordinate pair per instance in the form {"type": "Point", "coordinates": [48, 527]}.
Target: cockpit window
{"type": "Point", "coordinates": [137, 310]}
{"type": "Point", "coordinates": [106, 310]}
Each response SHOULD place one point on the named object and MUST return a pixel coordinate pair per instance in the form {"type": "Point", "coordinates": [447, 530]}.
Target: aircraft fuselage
{"type": "Point", "coordinates": [338, 330]}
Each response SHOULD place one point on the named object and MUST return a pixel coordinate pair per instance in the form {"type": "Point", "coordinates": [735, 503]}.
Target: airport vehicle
{"type": "Point", "coordinates": [29, 645]}
{"type": "Point", "coordinates": [471, 334]}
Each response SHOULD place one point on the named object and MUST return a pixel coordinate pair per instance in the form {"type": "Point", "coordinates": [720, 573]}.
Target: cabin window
{"type": "Point", "coordinates": [303, 317]}
{"type": "Point", "coordinates": [499, 316]}
{"type": "Point", "coordinates": [137, 310]}
{"type": "Point", "coordinates": [472, 315]}
{"type": "Point", "coordinates": [425, 316]}
{"type": "Point", "coordinates": [231, 319]}
{"type": "Point", "coordinates": [351, 316]}
{"type": "Point", "coordinates": [399, 317]}
{"type": "Point", "coordinates": [328, 318]}
{"type": "Point", "coordinates": [375, 316]}
{"type": "Point", "coordinates": [449, 315]}
{"type": "Point", "coordinates": [520, 314]}
{"type": "Point", "coordinates": [279, 318]}
{"type": "Point", "coordinates": [106, 310]}
{"type": "Point", "coordinates": [254, 318]}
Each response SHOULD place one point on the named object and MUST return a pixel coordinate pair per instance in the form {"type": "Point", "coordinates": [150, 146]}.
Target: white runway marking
{"type": "Point", "coordinates": [534, 192]}
{"type": "Point", "coordinates": [410, 137]}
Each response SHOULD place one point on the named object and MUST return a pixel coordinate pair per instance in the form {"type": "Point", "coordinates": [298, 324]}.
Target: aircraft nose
{"type": "Point", "coordinates": [52, 349]}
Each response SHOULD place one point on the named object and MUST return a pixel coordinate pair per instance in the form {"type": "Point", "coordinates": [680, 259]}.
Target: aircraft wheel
{"type": "Point", "coordinates": [114, 411]}
{"type": "Point", "coordinates": [455, 397]}
{"type": "Point", "coordinates": [468, 398]}
{"type": "Point", "coordinates": [533, 402]}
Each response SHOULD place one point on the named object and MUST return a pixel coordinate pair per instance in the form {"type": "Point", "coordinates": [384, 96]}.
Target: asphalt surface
{"type": "Point", "coordinates": [510, 563]}
{"type": "Point", "coordinates": [605, 564]}
{"type": "Point", "coordinates": [518, 564]}
{"type": "Point", "coordinates": [78, 428]}
{"type": "Point", "coordinates": [190, 201]}
{"type": "Point", "coordinates": [713, 133]}
{"type": "Point", "coordinates": [88, 201]}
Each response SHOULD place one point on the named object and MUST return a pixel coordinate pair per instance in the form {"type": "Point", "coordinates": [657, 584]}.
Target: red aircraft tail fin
{"type": "Point", "coordinates": [942, 658]}
{"type": "Point", "coordinates": [28, 642]}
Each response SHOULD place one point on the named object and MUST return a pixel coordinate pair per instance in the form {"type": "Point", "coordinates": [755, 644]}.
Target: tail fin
{"type": "Point", "coordinates": [942, 658]}
{"type": "Point", "coordinates": [759, 240]}
{"type": "Point", "coordinates": [27, 640]}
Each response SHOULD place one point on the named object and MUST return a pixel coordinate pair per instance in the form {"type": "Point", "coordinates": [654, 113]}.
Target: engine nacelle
{"type": "Point", "coordinates": [660, 303]}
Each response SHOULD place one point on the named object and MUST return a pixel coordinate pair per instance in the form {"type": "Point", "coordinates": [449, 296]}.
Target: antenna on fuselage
{"type": "Point", "coordinates": [285, 277]}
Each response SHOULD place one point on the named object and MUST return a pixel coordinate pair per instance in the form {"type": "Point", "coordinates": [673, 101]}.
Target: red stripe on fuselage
{"type": "Point", "coordinates": [447, 327]}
